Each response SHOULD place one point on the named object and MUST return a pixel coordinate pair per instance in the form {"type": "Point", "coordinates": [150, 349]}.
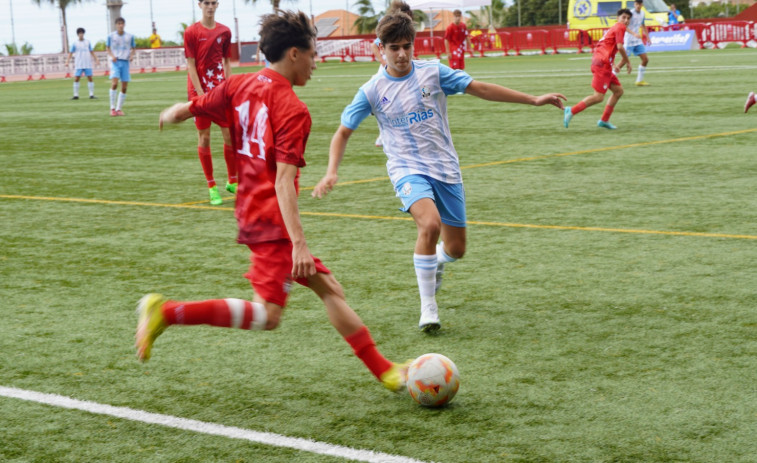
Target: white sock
{"type": "Point", "coordinates": [121, 98]}
{"type": "Point", "coordinates": [640, 76]}
{"type": "Point", "coordinates": [76, 88]}
{"type": "Point", "coordinates": [441, 256]}
{"type": "Point", "coordinates": [113, 95]}
{"type": "Point", "coordinates": [91, 87]}
{"type": "Point", "coordinates": [425, 270]}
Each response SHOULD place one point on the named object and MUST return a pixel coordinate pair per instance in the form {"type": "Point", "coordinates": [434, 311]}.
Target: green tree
{"type": "Point", "coordinates": [481, 19]}
{"type": "Point", "coordinates": [274, 3]}
{"type": "Point", "coordinates": [12, 49]}
{"type": "Point", "coordinates": [368, 19]}
{"type": "Point", "coordinates": [62, 5]}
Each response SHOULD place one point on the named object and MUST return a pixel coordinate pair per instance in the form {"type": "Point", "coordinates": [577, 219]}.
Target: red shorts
{"type": "Point", "coordinates": [603, 77]}
{"type": "Point", "coordinates": [271, 270]}
{"type": "Point", "coordinates": [457, 60]}
{"type": "Point", "coordinates": [202, 122]}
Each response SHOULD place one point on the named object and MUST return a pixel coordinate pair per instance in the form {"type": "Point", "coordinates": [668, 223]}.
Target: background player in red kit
{"type": "Point", "coordinates": [457, 38]}
{"type": "Point", "coordinates": [269, 127]}
{"type": "Point", "coordinates": [605, 73]}
{"type": "Point", "coordinates": [207, 45]}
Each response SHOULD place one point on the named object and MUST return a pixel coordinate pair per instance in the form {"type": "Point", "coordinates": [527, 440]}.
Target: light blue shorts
{"type": "Point", "coordinates": [637, 50]}
{"type": "Point", "coordinates": [448, 197]}
{"type": "Point", "coordinates": [120, 70]}
{"type": "Point", "coordinates": [86, 71]}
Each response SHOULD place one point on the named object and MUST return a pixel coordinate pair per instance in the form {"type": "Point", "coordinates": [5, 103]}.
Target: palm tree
{"type": "Point", "coordinates": [62, 4]}
{"type": "Point", "coordinates": [368, 19]}
{"type": "Point", "coordinates": [498, 15]}
{"type": "Point", "coordinates": [274, 3]}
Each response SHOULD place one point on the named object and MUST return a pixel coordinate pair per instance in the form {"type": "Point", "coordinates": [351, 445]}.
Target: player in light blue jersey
{"type": "Point", "coordinates": [83, 55]}
{"type": "Point", "coordinates": [121, 51]}
{"type": "Point", "coordinates": [409, 100]}
{"type": "Point", "coordinates": [635, 38]}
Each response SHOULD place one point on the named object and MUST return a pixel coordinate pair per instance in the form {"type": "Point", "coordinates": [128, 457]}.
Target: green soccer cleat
{"type": "Point", "coordinates": [231, 187]}
{"type": "Point", "coordinates": [395, 378]}
{"type": "Point", "coordinates": [605, 125]}
{"type": "Point", "coordinates": [215, 196]}
{"type": "Point", "coordinates": [151, 324]}
{"type": "Point", "coordinates": [567, 116]}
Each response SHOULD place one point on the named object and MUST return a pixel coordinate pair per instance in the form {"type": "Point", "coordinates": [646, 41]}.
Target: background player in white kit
{"type": "Point", "coordinates": [83, 55]}
{"type": "Point", "coordinates": [636, 36]}
{"type": "Point", "coordinates": [121, 50]}
{"type": "Point", "coordinates": [409, 100]}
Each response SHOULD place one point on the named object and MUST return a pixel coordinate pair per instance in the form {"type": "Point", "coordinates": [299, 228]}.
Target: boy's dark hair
{"type": "Point", "coordinates": [398, 6]}
{"type": "Point", "coordinates": [80, 31]}
{"type": "Point", "coordinates": [283, 30]}
{"type": "Point", "coordinates": [625, 11]}
{"type": "Point", "coordinates": [395, 27]}
{"type": "Point", "coordinates": [457, 13]}
{"type": "Point", "coordinates": [120, 20]}
{"type": "Point", "coordinates": [639, 1]}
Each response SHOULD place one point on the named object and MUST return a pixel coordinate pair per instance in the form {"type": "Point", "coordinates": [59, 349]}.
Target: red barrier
{"type": "Point", "coordinates": [429, 46]}
{"type": "Point", "coordinates": [2, 79]}
{"type": "Point", "coordinates": [535, 39]}
{"type": "Point", "coordinates": [489, 41]}
{"type": "Point", "coordinates": [568, 38]}
{"type": "Point", "coordinates": [734, 31]}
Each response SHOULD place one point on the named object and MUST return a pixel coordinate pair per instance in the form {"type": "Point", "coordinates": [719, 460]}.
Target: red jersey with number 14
{"type": "Point", "coordinates": [268, 124]}
{"type": "Point", "coordinates": [607, 47]}
{"type": "Point", "coordinates": [208, 47]}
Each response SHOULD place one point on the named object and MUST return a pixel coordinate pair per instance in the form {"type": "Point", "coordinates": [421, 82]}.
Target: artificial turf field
{"type": "Point", "coordinates": [605, 310]}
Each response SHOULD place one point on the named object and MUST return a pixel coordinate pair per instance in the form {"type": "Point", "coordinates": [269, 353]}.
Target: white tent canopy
{"type": "Point", "coordinates": [447, 4]}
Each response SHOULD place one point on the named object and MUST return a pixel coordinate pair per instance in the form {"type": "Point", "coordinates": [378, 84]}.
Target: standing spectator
{"type": "Point", "coordinates": [155, 41]}
{"type": "Point", "coordinates": [121, 49]}
{"type": "Point", "coordinates": [635, 38]}
{"type": "Point", "coordinates": [604, 72]}
{"type": "Point", "coordinates": [207, 45]}
{"type": "Point", "coordinates": [674, 16]}
{"type": "Point", "coordinates": [456, 37]}
{"type": "Point", "coordinates": [83, 56]}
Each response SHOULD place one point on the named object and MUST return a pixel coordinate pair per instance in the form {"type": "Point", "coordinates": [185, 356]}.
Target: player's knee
{"type": "Point", "coordinates": [457, 251]}
{"type": "Point", "coordinates": [273, 318]}
{"type": "Point", "coordinates": [203, 138]}
{"type": "Point", "coordinates": [430, 230]}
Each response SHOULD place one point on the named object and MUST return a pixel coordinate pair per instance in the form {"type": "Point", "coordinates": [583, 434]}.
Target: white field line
{"type": "Point", "coordinates": [266, 438]}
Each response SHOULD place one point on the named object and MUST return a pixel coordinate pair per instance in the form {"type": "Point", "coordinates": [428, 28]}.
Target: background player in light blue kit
{"type": "Point", "coordinates": [83, 55]}
{"type": "Point", "coordinates": [409, 100]}
{"type": "Point", "coordinates": [120, 50]}
{"type": "Point", "coordinates": [636, 36]}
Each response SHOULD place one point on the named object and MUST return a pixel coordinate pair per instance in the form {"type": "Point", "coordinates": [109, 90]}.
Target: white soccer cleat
{"type": "Point", "coordinates": [429, 321]}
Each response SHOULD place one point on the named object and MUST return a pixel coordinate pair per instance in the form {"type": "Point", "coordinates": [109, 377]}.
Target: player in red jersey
{"type": "Point", "coordinates": [269, 128]}
{"type": "Point", "coordinates": [207, 45]}
{"type": "Point", "coordinates": [605, 73]}
{"type": "Point", "coordinates": [457, 38]}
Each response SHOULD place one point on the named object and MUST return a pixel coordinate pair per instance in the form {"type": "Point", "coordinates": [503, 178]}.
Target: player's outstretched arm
{"type": "Point", "coordinates": [494, 92]}
{"type": "Point", "coordinates": [336, 154]}
{"type": "Point", "coordinates": [303, 265]}
{"type": "Point", "coordinates": [175, 114]}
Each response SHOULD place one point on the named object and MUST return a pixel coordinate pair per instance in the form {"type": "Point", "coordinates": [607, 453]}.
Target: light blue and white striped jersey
{"type": "Point", "coordinates": [637, 19]}
{"type": "Point", "coordinates": [82, 51]}
{"type": "Point", "coordinates": [121, 45]}
{"type": "Point", "coordinates": [412, 115]}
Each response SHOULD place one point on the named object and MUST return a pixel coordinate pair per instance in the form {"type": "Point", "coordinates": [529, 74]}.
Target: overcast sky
{"type": "Point", "coordinates": [40, 25]}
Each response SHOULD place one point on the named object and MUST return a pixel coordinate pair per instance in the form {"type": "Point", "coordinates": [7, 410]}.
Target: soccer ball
{"type": "Point", "coordinates": [432, 380]}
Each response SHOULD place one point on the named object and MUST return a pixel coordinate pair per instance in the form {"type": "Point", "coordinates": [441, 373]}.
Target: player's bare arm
{"type": "Point", "coordinates": [303, 265]}
{"type": "Point", "coordinates": [227, 67]}
{"type": "Point", "coordinates": [193, 76]}
{"type": "Point", "coordinates": [494, 92]}
{"type": "Point", "coordinates": [175, 114]}
{"type": "Point", "coordinates": [336, 154]}
{"type": "Point", "coordinates": [625, 61]}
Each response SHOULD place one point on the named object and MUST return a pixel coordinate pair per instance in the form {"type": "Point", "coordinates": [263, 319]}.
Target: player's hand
{"type": "Point", "coordinates": [325, 186]}
{"type": "Point", "coordinates": [303, 265]}
{"type": "Point", "coordinates": [555, 99]}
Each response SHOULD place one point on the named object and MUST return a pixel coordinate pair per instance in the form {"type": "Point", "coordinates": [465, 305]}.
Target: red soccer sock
{"type": "Point", "coordinates": [230, 313]}
{"type": "Point", "coordinates": [607, 113]}
{"type": "Point", "coordinates": [231, 163]}
{"type": "Point", "coordinates": [577, 108]}
{"type": "Point", "coordinates": [365, 349]}
{"type": "Point", "coordinates": [207, 164]}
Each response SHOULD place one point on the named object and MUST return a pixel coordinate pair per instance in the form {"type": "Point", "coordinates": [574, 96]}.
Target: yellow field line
{"type": "Point", "coordinates": [403, 218]}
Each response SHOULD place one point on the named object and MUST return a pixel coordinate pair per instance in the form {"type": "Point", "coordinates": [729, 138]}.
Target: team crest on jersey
{"type": "Point", "coordinates": [218, 40]}
{"type": "Point", "coordinates": [407, 188]}
{"type": "Point", "coordinates": [425, 93]}
{"type": "Point", "coordinates": [265, 79]}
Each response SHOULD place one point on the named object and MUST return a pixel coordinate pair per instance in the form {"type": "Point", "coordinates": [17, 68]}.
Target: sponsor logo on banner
{"type": "Point", "coordinates": [672, 41]}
